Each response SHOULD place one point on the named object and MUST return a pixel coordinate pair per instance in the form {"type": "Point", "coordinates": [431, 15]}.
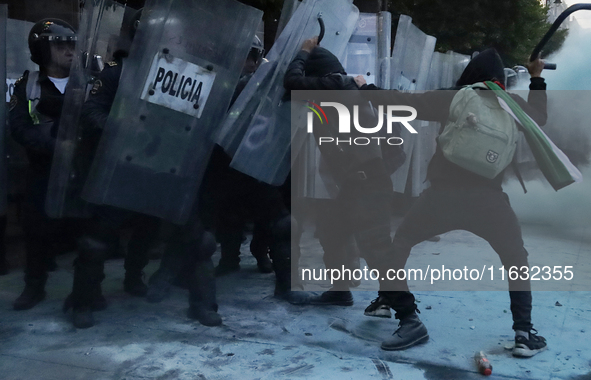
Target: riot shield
{"type": "Point", "coordinates": [368, 54]}
{"type": "Point", "coordinates": [410, 65]}
{"type": "Point", "coordinates": [175, 88]}
{"type": "Point", "coordinates": [98, 35]}
{"type": "Point", "coordinates": [264, 136]}
{"type": "Point", "coordinates": [361, 56]}
{"type": "Point", "coordinates": [3, 161]}
{"type": "Point", "coordinates": [17, 61]}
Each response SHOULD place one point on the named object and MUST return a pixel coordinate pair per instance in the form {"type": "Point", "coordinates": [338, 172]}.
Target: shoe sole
{"type": "Point", "coordinates": [389, 315]}
{"type": "Point", "coordinates": [421, 340]}
{"type": "Point", "coordinates": [525, 352]}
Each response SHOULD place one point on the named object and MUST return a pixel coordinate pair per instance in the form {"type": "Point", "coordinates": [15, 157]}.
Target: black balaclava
{"type": "Point", "coordinates": [485, 66]}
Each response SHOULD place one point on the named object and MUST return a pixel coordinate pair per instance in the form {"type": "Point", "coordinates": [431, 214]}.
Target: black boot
{"type": "Point", "coordinates": [202, 295]}
{"type": "Point", "coordinates": [33, 293]}
{"type": "Point", "coordinates": [411, 332]}
{"type": "Point", "coordinates": [88, 275]}
{"type": "Point", "coordinates": [158, 286]}
{"type": "Point", "coordinates": [134, 285]}
{"type": "Point", "coordinates": [227, 266]}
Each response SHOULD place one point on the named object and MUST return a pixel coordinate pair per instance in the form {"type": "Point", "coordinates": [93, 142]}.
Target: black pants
{"type": "Point", "coordinates": [482, 211]}
{"type": "Point", "coordinates": [44, 237]}
{"type": "Point", "coordinates": [338, 251]}
{"type": "Point", "coordinates": [99, 240]}
{"type": "Point", "coordinates": [239, 196]}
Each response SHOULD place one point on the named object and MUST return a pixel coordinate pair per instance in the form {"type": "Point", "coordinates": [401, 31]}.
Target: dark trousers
{"type": "Point", "coordinates": [482, 211]}
{"type": "Point", "coordinates": [239, 196]}
{"type": "Point", "coordinates": [100, 239]}
{"type": "Point", "coordinates": [44, 237]}
{"type": "Point", "coordinates": [338, 251]}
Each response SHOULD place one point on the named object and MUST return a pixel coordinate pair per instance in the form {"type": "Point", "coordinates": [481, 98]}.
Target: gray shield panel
{"type": "Point", "coordinates": [17, 61]}
{"type": "Point", "coordinates": [175, 88]}
{"type": "Point", "coordinates": [3, 161]}
{"type": "Point", "coordinates": [98, 35]}
{"type": "Point", "coordinates": [264, 149]}
{"type": "Point", "coordinates": [368, 54]}
{"type": "Point", "coordinates": [361, 55]}
{"type": "Point", "coordinates": [410, 66]}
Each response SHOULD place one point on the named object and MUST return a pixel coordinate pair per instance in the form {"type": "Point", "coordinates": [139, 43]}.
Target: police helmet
{"type": "Point", "coordinates": [46, 31]}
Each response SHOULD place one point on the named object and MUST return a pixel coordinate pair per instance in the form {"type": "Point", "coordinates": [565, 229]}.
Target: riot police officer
{"type": "Point", "coordinates": [35, 110]}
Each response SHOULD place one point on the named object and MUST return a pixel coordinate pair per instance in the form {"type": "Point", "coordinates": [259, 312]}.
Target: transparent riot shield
{"type": "Point", "coordinates": [410, 66]}
{"type": "Point", "coordinates": [368, 54]}
{"type": "Point", "coordinates": [98, 35]}
{"type": "Point", "coordinates": [175, 88]}
{"type": "Point", "coordinates": [17, 61]}
{"type": "Point", "coordinates": [264, 149]}
{"type": "Point", "coordinates": [361, 56]}
{"type": "Point", "coordinates": [3, 161]}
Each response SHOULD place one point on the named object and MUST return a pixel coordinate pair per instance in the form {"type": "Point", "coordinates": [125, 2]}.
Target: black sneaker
{"type": "Point", "coordinates": [378, 308]}
{"type": "Point", "coordinates": [332, 297]}
{"type": "Point", "coordinates": [526, 348]}
{"type": "Point", "coordinates": [411, 332]}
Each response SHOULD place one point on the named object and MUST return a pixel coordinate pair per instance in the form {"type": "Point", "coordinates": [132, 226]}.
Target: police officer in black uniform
{"type": "Point", "coordinates": [190, 241]}
{"type": "Point", "coordinates": [35, 110]}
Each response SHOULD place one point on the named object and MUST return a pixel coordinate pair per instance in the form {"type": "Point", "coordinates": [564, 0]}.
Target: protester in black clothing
{"type": "Point", "coordinates": [315, 68]}
{"type": "Point", "coordinates": [461, 200]}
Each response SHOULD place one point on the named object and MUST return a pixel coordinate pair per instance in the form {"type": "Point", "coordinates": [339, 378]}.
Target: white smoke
{"type": "Point", "coordinates": [569, 127]}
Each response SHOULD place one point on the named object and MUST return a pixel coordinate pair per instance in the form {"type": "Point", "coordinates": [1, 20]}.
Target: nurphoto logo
{"type": "Point", "coordinates": [344, 123]}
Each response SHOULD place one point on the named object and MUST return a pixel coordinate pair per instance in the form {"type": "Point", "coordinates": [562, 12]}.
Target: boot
{"type": "Point", "coordinates": [134, 285]}
{"type": "Point", "coordinates": [33, 293]}
{"type": "Point", "coordinates": [227, 266]}
{"type": "Point", "coordinates": [411, 332]}
{"type": "Point", "coordinates": [202, 295]}
{"type": "Point", "coordinates": [82, 317]}
{"type": "Point", "coordinates": [4, 266]}
{"type": "Point", "coordinates": [264, 264]}
{"type": "Point", "coordinates": [158, 287]}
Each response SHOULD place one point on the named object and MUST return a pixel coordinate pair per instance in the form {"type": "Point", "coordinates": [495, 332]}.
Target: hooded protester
{"type": "Point", "coordinates": [345, 217]}
{"type": "Point", "coordinates": [459, 199]}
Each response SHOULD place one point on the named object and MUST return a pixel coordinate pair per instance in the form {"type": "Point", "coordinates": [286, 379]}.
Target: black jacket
{"type": "Point", "coordinates": [38, 140]}
{"type": "Point", "coordinates": [98, 105]}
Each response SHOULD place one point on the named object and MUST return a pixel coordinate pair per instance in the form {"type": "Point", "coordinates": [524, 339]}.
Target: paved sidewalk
{"type": "Point", "coordinates": [263, 338]}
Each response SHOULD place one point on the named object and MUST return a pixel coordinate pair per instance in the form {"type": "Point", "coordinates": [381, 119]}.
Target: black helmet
{"type": "Point", "coordinates": [46, 31]}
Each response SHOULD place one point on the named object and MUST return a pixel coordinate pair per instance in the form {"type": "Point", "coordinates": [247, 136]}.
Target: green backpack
{"type": "Point", "coordinates": [479, 136]}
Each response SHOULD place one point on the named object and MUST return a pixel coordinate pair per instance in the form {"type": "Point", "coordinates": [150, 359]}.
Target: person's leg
{"type": "Point", "coordinates": [144, 232]}
{"type": "Point", "coordinates": [4, 267]}
{"type": "Point", "coordinates": [334, 241]}
{"type": "Point", "coordinates": [36, 228]}
{"type": "Point", "coordinates": [495, 221]}
{"type": "Point", "coordinates": [259, 247]}
{"type": "Point", "coordinates": [424, 219]}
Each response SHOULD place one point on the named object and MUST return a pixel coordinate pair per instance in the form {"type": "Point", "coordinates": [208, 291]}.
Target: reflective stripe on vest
{"type": "Point", "coordinates": [33, 95]}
